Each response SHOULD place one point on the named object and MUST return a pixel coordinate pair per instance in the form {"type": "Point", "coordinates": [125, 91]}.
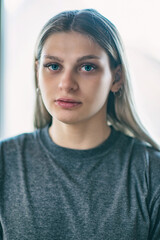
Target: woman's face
{"type": "Point", "coordinates": [74, 78]}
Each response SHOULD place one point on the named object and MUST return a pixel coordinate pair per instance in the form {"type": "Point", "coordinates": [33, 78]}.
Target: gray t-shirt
{"type": "Point", "coordinates": [48, 192]}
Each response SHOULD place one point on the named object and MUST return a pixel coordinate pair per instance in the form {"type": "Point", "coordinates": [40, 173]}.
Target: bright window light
{"type": "Point", "coordinates": [12, 5]}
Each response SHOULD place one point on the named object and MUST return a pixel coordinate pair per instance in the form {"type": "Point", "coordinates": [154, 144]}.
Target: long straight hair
{"type": "Point", "coordinates": [121, 112]}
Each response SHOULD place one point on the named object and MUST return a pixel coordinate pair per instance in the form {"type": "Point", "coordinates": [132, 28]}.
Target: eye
{"type": "Point", "coordinates": [88, 67]}
{"type": "Point", "coordinates": [52, 66]}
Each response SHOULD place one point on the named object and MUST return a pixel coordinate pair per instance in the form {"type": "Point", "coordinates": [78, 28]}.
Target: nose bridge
{"type": "Point", "coordinates": [67, 80]}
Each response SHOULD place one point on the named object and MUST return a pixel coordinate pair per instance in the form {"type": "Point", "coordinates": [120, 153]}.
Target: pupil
{"type": "Point", "coordinates": [88, 68]}
{"type": "Point", "coordinates": [54, 67]}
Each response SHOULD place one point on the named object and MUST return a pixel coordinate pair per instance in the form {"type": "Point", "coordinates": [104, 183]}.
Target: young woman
{"type": "Point", "coordinates": [89, 170]}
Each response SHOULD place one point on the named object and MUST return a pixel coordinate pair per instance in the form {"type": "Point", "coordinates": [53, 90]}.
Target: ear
{"type": "Point", "coordinates": [117, 79]}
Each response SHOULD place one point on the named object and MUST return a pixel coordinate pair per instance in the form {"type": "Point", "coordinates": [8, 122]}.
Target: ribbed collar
{"type": "Point", "coordinates": [62, 152]}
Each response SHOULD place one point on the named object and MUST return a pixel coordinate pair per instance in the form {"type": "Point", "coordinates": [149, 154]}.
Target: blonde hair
{"type": "Point", "coordinates": [121, 112]}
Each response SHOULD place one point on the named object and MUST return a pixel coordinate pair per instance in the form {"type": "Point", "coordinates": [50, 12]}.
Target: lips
{"type": "Point", "coordinates": [67, 100]}
{"type": "Point", "coordinates": [67, 103]}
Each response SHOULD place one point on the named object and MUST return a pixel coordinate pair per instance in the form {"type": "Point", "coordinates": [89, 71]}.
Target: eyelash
{"type": "Point", "coordinates": [89, 64]}
{"type": "Point", "coordinates": [48, 65]}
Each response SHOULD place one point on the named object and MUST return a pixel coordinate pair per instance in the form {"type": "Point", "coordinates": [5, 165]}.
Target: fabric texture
{"type": "Point", "coordinates": [50, 192]}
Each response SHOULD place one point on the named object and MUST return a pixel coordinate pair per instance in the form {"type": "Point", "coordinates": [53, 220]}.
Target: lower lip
{"type": "Point", "coordinates": [67, 105]}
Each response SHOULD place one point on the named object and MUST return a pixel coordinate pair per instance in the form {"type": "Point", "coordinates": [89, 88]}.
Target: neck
{"type": "Point", "coordinates": [79, 135]}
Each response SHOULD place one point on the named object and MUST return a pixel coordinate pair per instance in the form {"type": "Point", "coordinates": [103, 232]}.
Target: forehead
{"type": "Point", "coordinates": [71, 43]}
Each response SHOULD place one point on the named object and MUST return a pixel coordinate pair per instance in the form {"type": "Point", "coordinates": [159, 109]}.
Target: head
{"type": "Point", "coordinates": [90, 23]}
{"type": "Point", "coordinates": [101, 31]}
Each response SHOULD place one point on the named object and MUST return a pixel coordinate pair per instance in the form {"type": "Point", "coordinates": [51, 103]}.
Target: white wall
{"type": "Point", "coordinates": [137, 21]}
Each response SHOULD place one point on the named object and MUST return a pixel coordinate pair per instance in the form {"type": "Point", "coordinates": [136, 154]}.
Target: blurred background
{"type": "Point", "coordinates": [21, 21]}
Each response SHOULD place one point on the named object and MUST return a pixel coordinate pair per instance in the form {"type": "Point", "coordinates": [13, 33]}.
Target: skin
{"type": "Point", "coordinates": [88, 81]}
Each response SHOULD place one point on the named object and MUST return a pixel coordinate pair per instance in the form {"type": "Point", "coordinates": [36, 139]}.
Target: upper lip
{"type": "Point", "coordinates": [67, 100]}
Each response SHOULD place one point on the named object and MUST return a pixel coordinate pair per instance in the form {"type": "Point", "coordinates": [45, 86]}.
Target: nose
{"type": "Point", "coordinates": [68, 81]}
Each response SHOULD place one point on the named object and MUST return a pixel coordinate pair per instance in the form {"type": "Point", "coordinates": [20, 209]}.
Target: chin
{"type": "Point", "coordinates": [71, 117]}
{"type": "Point", "coordinates": [67, 120]}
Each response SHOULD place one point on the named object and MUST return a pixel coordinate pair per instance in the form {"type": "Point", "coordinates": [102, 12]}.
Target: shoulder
{"type": "Point", "coordinates": [139, 149]}
{"type": "Point", "coordinates": [19, 151]}
{"type": "Point", "coordinates": [14, 144]}
{"type": "Point", "coordinates": [153, 159]}
{"type": "Point", "coordinates": [150, 154]}
{"type": "Point", "coordinates": [146, 162]}
{"type": "Point", "coordinates": [140, 155]}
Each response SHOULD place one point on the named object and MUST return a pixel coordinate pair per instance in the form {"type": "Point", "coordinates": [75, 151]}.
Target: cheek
{"type": "Point", "coordinates": [106, 84]}
{"type": "Point", "coordinates": [43, 80]}
{"type": "Point", "coordinates": [46, 84]}
{"type": "Point", "coordinates": [46, 94]}
{"type": "Point", "coordinates": [100, 88]}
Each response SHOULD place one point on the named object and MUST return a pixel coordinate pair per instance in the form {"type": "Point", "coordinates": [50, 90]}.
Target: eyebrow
{"type": "Point", "coordinates": [78, 60]}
